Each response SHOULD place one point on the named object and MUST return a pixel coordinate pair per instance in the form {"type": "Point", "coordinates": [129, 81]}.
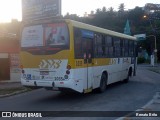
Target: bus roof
{"type": "Point", "coordinates": [84, 26]}
{"type": "Point", "coordinates": [98, 29]}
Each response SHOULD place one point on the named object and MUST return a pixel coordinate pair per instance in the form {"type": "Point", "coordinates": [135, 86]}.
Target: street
{"type": "Point", "coordinates": [117, 97]}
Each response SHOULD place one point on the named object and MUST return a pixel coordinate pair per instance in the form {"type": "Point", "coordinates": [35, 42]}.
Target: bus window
{"type": "Point", "coordinates": [135, 49]}
{"type": "Point", "coordinates": [109, 45]}
{"type": "Point", "coordinates": [77, 43]}
{"type": "Point", "coordinates": [32, 36]}
{"type": "Point", "coordinates": [110, 51]}
{"type": "Point", "coordinates": [126, 48]}
{"type": "Point", "coordinates": [122, 47]}
{"type": "Point", "coordinates": [117, 47]}
{"type": "Point", "coordinates": [103, 46]}
{"type": "Point", "coordinates": [56, 34]}
{"type": "Point", "coordinates": [108, 41]}
{"type": "Point", "coordinates": [131, 48]}
{"type": "Point", "coordinates": [45, 38]}
{"type": "Point", "coordinates": [82, 46]}
{"type": "Point", "coordinates": [98, 45]}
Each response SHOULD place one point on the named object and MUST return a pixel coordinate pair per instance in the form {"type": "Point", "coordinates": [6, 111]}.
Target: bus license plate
{"type": "Point", "coordinates": [44, 73]}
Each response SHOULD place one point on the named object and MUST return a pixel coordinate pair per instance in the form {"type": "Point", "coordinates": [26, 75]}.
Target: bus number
{"type": "Point", "coordinates": [112, 61]}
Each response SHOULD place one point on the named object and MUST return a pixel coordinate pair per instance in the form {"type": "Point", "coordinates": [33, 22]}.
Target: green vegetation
{"type": "Point", "coordinates": [115, 20]}
{"type": "Point", "coordinates": [141, 60]}
{"type": "Point", "coordinates": [155, 69]}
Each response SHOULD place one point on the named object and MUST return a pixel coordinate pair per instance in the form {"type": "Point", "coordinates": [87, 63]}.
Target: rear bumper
{"type": "Point", "coordinates": [52, 84]}
{"type": "Point", "coordinates": [43, 83]}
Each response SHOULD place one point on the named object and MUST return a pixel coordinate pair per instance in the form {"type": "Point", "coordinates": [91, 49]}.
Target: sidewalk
{"type": "Point", "coordinates": [149, 65]}
{"type": "Point", "coordinates": [9, 88]}
{"type": "Point", "coordinates": [155, 68]}
{"type": "Point", "coordinates": [9, 84]}
{"type": "Point", "coordinates": [152, 109]}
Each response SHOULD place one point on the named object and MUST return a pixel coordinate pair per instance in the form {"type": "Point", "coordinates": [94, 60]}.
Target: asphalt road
{"type": "Point", "coordinates": [117, 97]}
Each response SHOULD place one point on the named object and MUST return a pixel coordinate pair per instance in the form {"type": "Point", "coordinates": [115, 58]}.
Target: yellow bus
{"type": "Point", "coordinates": [66, 54]}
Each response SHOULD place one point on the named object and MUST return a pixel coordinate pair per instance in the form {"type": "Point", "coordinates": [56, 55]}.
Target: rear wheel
{"type": "Point", "coordinates": [128, 76]}
{"type": "Point", "coordinates": [127, 79]}
{"type": "Point", "coordinates": [103, 83]}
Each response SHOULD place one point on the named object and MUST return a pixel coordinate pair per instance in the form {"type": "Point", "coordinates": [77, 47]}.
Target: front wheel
{"type": "Point", "coordinates": [103, 84]}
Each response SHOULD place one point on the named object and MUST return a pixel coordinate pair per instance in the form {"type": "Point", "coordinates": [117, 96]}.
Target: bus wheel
{"type": "Point", "coordinates": [103, 83]}
{"type": "Point", "coordinates": [128, 76]}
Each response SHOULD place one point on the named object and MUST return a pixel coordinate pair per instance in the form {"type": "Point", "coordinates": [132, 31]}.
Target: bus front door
{"type": "Point", "coordinates": [87, 45]}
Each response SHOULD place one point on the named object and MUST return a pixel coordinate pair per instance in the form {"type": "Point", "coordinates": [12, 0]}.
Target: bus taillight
{"type": "Point", "coordinates": [21, 66]}
{"type": "Point", "coordinates": [67, 72]}
{"type": "Point", "coordinates": [68, 67]}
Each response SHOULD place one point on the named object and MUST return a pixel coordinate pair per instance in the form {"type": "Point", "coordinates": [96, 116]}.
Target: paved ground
{"type": "Point", "coordinates": [152, 108]}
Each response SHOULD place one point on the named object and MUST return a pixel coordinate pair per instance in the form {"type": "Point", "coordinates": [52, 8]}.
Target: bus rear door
{"type": "Point", "coordinates": [87, 46]}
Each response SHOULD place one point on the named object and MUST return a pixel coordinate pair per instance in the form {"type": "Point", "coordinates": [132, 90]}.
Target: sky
{"type": "Point", "coordinates": [11, 9]}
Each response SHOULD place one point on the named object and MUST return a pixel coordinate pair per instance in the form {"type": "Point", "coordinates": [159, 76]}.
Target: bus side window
{"type": "Point", "coordinates": [84, 46]}
{"type": "Point", "coordinates": [117, 51]}
{"type": "Point", "coordinates": [122, 48]}
{"type": "Point", "coordinates": [77, 43]}
{"type": "Point", "coordinates": [103, 46]}
{"type": "Point", "coordinates": [109, 46]}
{"type": "Point", "coordinates": [126, 48]}
{"type": "Point", "coordinates": [98, 45]}
{"type": "Point", "coordinates": [131, 48]}
{"type": "Point", "coordinates": [135, 49]}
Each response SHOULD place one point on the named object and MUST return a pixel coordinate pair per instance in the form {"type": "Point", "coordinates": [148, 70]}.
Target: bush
{"type": "Point", "coordinates": [141, 60]}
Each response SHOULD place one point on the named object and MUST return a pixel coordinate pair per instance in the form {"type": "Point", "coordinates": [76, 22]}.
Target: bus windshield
{"type": "Point", "coordinates": [53, 35]}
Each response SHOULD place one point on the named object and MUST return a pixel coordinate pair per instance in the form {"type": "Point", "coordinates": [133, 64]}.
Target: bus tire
{"type": "Point", "coordinates": [128, 76]}
{"type": "Point", "coordinates": [103, 83]}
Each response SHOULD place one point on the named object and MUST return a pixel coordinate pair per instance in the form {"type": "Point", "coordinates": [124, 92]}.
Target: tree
{"type": "Point", "coordinates": [121, 7]}
{"type": "Point", "coordinates": [72, 16]}
{"type": "Point", "coordinates": [104, 9]}
{"type": "Point", "coordinates": [92, 12]}
{"type": "Point", "coordinates": [111, 10]}
{"type": "Point", "coordinates": [98, 11]}
{"type": "Point", "coordinates": [121, 10]}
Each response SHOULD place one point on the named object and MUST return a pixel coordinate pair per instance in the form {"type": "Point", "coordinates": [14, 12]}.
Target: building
{"type": "Point", "coordinates": [9, 57]}
{"type": "Point", "coordinates": [150, 7]}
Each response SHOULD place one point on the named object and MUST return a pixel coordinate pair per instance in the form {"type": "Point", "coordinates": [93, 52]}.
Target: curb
{"type": "Point", "coordinates": [14, 93]}
{"type": "Point", "coordinates": [9, 81]}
